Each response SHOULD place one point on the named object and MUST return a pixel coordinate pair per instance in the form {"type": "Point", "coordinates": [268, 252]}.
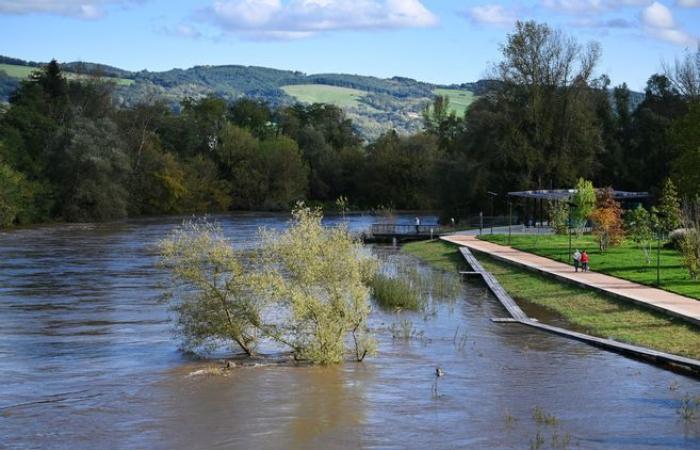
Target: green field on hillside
{"type": "Point", "coordinates": [16, 71]}
{"type": "Point", "coordinates": [460, 99]}
{"type": "Point", "coordinates": [321, 93]}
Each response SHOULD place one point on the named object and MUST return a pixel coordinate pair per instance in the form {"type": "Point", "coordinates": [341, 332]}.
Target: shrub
{"type": "Point", "coordinates": [675, 238]}
{"type": "Point", "coordinates": [690, 243]}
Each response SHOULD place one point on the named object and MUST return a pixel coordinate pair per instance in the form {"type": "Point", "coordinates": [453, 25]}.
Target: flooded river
{"type": "Point", "coordinates": [88, 360]}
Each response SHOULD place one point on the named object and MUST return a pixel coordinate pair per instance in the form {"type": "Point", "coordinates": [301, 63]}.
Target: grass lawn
{"type": "Point", "coordinates": [584, 310]}
{"type": "Point", "coordinates": [321, 93]}
{"type": "Point", "coordinates": [438, 254]}
{"type": "Point", "coordinates": [626, 261]}
{"type": "Point", "coordinates": [460, 99]}
{"type": "Point", "coordinates": [16, 71]}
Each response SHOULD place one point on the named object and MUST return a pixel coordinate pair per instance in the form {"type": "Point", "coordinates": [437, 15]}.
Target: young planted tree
{"type": "Point", "coordinates": [559, 217]}
{"type": "Point", "coordinates": [670, 208]}
{"type": "Point", "coordinates": [690, 243]}
{"type": "Point", "coordinates": [321, 274]}
{"type": "Point", "coordinates": [639, 226]}
{"type": "Point", "coordinates": [585, 202]}
{"type": "Point", "coordinates": [607, 220]}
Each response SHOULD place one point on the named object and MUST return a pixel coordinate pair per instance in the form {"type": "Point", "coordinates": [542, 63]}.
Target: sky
{"type": "Point", "coordinates": [440, 41]}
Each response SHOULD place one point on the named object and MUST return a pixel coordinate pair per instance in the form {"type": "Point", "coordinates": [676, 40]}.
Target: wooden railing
{"type": "Point", "coordinates": [390, 229]}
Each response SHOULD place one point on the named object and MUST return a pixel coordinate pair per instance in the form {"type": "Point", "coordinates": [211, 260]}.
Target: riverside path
{"type": "Point", "coordinates": [674, 304]}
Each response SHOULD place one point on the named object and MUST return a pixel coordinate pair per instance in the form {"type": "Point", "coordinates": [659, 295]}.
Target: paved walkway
{"type": "Point", "coordinates": [668, 302]}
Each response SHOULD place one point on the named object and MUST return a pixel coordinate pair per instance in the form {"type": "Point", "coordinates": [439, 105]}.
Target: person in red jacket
{"type": "Point", "coordinates": [584, 261]}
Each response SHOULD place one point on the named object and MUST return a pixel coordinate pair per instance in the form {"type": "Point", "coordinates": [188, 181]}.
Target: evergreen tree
{"type": "Point", "coordinates": [670, 207]}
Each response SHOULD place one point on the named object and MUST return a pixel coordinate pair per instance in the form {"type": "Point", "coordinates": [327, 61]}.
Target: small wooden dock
{"type": "Point", "coordinates": [388, 232]}
{"type": "Point", "coordinates": [673, 362]}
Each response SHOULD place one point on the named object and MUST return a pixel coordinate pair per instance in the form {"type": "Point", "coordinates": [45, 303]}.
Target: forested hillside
{"type": "Point", "coordinates": [376, 105]}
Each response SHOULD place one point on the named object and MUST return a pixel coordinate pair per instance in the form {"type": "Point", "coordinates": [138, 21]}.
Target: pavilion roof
{"type": "Point", "coordinates": [566, 194]}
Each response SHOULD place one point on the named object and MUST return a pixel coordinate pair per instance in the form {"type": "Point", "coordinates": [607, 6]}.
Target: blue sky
{"type": "Point", "coordinates": [443, 41]}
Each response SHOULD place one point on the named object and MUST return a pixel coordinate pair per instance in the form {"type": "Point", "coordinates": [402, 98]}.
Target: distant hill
{"type": "Point", "coordinates": [374, 104]}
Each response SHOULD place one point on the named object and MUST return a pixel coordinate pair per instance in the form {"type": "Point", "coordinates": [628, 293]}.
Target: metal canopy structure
{"type": "Point", "coordinates": [566, 194]}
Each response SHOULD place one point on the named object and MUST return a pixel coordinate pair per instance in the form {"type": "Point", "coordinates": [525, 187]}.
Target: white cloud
{"type": "Point", "coordinates": [491, 15]}
{"type": "Point", "coordinates": [588, 22]}
{"type": "Point", "coordinates": [688, 3]}
{"type": "Point", "coordinates": [590, 6]}
{"type": "Point", "coordinates": [83, 9]}
{"type": "Point", "coordinates": [294, 19]}
{"type": "Point", "coordinates": [659, 23]}
{"type": "Point", "coordinates": [657, 15]}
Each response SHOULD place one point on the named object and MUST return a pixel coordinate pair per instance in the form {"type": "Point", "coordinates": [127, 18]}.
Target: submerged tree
{"type": "Point", "coordinates": [322, 275]}
{"type": "Point", "coordinates": [305, 289]}
{"type": "Point", "coordinates": [214, 298]}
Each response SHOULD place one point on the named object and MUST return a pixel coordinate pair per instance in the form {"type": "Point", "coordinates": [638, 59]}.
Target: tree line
{"type": "Point", "coordinates": [68, 153]}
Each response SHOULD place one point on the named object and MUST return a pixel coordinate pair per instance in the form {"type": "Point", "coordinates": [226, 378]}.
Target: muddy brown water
{"type": "Point", "coordinates": [88, 360]}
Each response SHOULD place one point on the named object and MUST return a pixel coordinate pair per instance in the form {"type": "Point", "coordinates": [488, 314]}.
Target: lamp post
{"type": "Point", "coordinates": [492, 195]}
{"type": "Point", "coordinates": [659, 215]}
{"type": "Point", "coordinates": [658, 258]}
{"type": "Point", "coordinates": [571, 205]}
{"type": "Point", "coordinates": [510, 218]}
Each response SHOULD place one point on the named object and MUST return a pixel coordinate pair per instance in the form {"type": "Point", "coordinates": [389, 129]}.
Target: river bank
{"type": "Point", "coordinates": [581, 309]}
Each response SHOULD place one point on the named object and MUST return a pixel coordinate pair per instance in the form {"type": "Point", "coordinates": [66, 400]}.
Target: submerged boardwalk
{"type": "Point", "coordinates": [674, 304]}
{"type": "Point", "coordinates": [688, 365]}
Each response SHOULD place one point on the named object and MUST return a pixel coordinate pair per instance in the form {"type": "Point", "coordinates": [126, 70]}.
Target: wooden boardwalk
{"type": "Point", "coordinates": [402, 232]}
{"type": "Point", "coordinates": [674, 304]}
{"type": "Point", "coordinates": [675, 362]}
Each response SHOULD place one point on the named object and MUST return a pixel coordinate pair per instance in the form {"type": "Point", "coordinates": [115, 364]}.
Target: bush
{"type": "Point", "coordinates": [690, 247]}
{"type": "Point", "coordinates": [675, 238]}
{"type": "Point", "coordinates": [690, 243]}
{"type": "Point", "coordinates": [394, 293]}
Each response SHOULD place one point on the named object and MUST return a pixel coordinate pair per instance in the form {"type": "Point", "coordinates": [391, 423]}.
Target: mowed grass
{"type": "Point", "coordinates": [23, 72]}
{"type": "Point", "coordinates": [584, 310]}
{"type": "Point", "coordinates": [321, 93]}
{"type": "Point", "coordinates": [438, 254]}
{"type": "Point", "coordinates": [460, 99]}
{"type": "Point", "coordinates": [626, 261]}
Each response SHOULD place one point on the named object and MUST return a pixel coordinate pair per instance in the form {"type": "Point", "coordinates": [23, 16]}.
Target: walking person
{"type": "Point", "coordinates": [417, 225]}
{"type": "Point", "coordinates": [577, 260]}
{"type": "Point", "coordinates": [584, 261]}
